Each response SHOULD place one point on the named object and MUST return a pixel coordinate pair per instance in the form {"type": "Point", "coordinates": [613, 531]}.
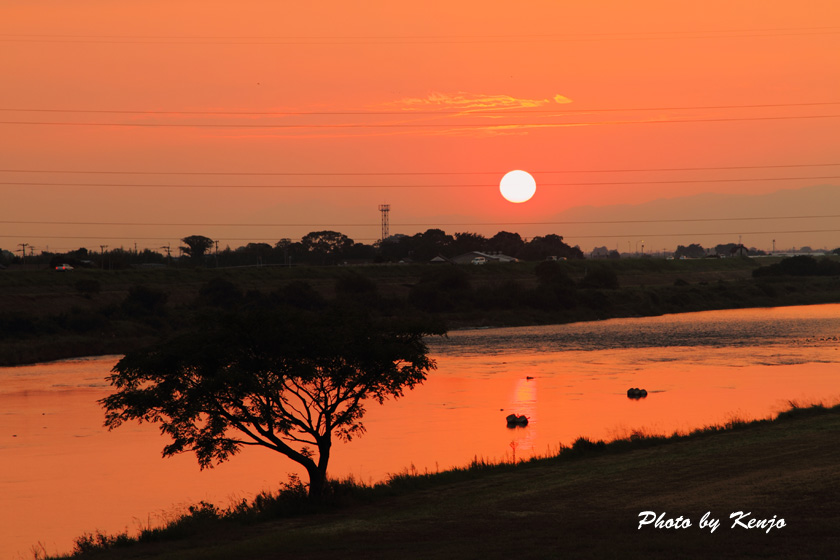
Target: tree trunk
{"type": "Point", "coordinates": [318, 473]}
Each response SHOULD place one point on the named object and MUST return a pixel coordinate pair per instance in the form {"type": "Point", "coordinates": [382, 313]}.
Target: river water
{"type": "Point", "coordinates": [62, 474]}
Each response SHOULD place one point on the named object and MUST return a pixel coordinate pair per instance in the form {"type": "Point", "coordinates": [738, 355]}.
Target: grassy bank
{"type": "Point", "coordinates": [583, 503]}
{"type": "Point", "coordinates": [48, 315]}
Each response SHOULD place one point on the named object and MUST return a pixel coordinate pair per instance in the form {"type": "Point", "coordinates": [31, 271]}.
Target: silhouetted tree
{"type": "Point", "coordinates": [507, 243]}
{"type": "Point", "coordinates": [395, 247]}
{"type": "Point", "coordinates": [282, 378]}
{"type": "Point", "coordinates": [196, 246]}
{"type": "Point", "coordinates": [429, 244]}
{"type": "Point", "coordinates": [800, 265]}
{"type": "Point", "coordinates": [540, 248]}
{"type": "Point", "coordinates": [693, 251]}
{"type": "Point", "coordinates": [467, 242]}
{"type": "Point", "coordinates": [325, 247]}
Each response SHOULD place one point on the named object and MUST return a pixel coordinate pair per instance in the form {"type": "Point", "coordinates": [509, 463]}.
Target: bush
{"type": "Point", "coordinates": [352, 284]}
{"type": "Point", "coordinates": [800, 265]}
{"type": "Point", "coordinates": [88, 287]}
{"type": "Point", "coordinates": [219, 292]}
{"type": "Point", "coordinates": [142, 300]}
{"type": "Point", "coordinates": [600, 277]}
{"type": "Point", "coordinates": [553, 272]}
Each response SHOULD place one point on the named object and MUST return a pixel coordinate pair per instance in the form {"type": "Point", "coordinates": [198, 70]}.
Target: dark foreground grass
{"type": "Point", "coordinates": [584, 502]}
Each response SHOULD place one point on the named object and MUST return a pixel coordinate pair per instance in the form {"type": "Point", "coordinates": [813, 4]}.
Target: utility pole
{"type": "Point", "coordinates": [168, 254]}
{"type": "Point", "coordinates": [23, 247]}
{"type": "Point", "coordinates": [102, 255]}
{"type": "Point", "coordinates": [217, 254]}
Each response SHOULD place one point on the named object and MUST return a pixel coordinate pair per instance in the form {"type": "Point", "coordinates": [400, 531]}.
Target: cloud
{"type": "Point", "coordinates": [436, 114]}
{"type": "Point", "coordinates": [472, 102]}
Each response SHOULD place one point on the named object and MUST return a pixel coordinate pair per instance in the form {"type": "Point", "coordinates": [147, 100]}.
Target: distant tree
{"type": "Point", "coordinates": [196, 246]}
{"type": "Point", "coordinates": [284, 379]}
{"type": "Point", "coordinates": [800, 265]}
{"type": "Point", "coordinates": [325, 247]}
{"type": "Point", "coordinates": [693, 251]}
{"type": "Point", "coordinates": [506, 243]}
{"type": "Point", "coordinates": [6, 257]}
{"type": "Point", "coordinates": [395, 248]}
{"type": "Point", "coordinates": [468, 242]}
{"type": "Point", "coordinates": [539, 248]}
{"type": "Point", "coordinates": [431, 243]}
{"type": "Point", "coordinates": [599, 252]}
{"type": "Point", "coordinates": [259, 253]}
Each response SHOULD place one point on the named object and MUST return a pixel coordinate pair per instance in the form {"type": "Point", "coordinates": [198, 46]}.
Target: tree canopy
{"type": "Point", "coordinates": [196, 246]}
{"type": "Point", "coordinates": [278, 376]}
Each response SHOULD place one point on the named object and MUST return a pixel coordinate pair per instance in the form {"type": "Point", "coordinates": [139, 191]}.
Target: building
{"type": "Point", "coordinates": [476, 257]}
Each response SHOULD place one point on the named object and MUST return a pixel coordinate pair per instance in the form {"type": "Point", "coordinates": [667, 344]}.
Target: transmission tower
{"type": "Point", "coordinates": [384, 208]}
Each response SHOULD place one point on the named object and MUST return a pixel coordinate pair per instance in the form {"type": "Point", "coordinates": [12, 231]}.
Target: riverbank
{"type": "Point", "coordinates": [584, 503]}
{"type": "Point", "coordinates": [48, 315]}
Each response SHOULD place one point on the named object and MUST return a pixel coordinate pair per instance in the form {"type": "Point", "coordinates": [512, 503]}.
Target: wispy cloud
{"type": "Point", "coordinates": [472, 102]}
{"type": "Point", "coordinates": [436, 114]}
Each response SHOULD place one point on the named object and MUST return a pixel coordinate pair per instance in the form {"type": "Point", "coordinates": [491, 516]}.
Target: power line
{"type": "Point", "coordinates": [420, 224]}
{"type": "Point", "coordinates": [447, 186]}
{"type": "Point", "coordinates": [411, 112]}
{"type": "Point", "coordinates": [673, 234]}
{"type": "Point", "coordinates": [413, 125]}
{"type": "Point", "coordinates": [408, 173]}
{"type": "Point", "coordinates": [419, 39]}
{"type": "Point", "coordinates": [695, 234]}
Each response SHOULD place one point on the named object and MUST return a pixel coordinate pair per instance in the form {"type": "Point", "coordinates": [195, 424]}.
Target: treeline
{"type": "Point", "coordinates": [149, 309]}
{"type": "Point", "coordinates": [697, 251]}
{"type": "Point", "coordinates": [800, 265]}
{"type": "Point", "coordinates": [318, 248]}
{"type": "Point", "coordinates": [101, 315]}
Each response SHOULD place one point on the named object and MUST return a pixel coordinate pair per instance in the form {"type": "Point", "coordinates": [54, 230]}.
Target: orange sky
{"type": "Point", "coordinates": [576, 87]}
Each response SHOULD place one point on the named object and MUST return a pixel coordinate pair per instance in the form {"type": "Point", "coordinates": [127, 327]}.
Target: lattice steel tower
{"type": "Point", "coordinates": [384, 208]}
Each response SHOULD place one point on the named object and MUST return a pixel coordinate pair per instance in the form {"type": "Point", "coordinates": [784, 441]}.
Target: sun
{"type": "Point", "coordinates": [518, 186]}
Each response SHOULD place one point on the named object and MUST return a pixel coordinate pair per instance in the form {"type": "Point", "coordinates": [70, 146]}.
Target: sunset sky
{"type": "Point", "coordinates": [124, 122]}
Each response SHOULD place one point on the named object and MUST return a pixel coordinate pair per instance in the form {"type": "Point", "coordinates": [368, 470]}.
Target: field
{"type": "Point", "coordinates": [48, 315]}
{"type": "Point", "coordinates": [584, 504]}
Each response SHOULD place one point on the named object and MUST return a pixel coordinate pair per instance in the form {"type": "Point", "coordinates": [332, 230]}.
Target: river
{"type": "Point", "coordinates": [63, 474]}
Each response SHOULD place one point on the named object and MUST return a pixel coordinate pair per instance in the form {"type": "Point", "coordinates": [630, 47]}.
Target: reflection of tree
{"type": "Point", "coordinates": [279, 377]}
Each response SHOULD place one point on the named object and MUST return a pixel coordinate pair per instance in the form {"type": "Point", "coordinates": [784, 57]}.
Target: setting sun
{"type": "Point", "coordinates": [518, 186]}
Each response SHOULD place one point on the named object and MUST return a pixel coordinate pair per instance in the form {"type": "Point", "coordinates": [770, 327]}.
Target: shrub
{"type": "Point", "coordinates": [219, 292]}
{"type": "Point", "coordinates": [88, 287]}
{"type": "Point", "coordinates": [142, 300]}
{"type": "Point", "coordinates": [600, 277]}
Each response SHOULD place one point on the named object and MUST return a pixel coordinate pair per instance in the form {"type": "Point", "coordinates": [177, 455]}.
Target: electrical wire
{"type": "Point", "coordinates": [408, 173]}
{"type": "Point", "coordinates": [446, 186]}
{"type": "Point", "coordinates": [459, 126]}
{"type": "Point", "coordinates": [411, 112]}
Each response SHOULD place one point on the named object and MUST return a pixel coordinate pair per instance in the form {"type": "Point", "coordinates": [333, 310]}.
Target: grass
{"type": "Point", "coordinates": [582, 502]}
